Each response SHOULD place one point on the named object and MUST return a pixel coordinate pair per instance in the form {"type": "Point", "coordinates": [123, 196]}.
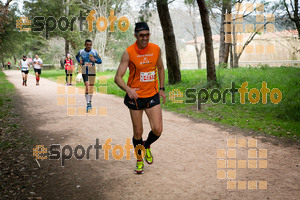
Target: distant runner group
{"type": "Point", "coordinates": [143, 91]}
{"type": "Point", "coordinates": [25, 65]}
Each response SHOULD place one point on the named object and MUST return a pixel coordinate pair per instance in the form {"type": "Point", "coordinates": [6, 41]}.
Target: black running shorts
{"type": "Point", "coordinates": [86, 77]}
{"type": "Point", "coordinates": [25, 71]}
{"type": "Point", "coordinates": [39, 71]}
{"type": "Point", "coordinates": [141, 103]}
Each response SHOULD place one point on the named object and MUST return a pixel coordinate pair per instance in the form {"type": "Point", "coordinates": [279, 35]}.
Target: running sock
{"type": "Point", "coordinates": [87, 98]}
{"type": "Point", "coordinates": [137, 142]}
{"type": "Point", "coordinates": [90, 95]}
{"type": "Point", "coordinates": [151, 138]}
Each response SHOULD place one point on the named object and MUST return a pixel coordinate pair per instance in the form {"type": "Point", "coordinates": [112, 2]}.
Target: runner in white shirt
{"type": "Point", "coordinates": [37, 64]}
{"type": "Point", "coordinates": [24, 65]}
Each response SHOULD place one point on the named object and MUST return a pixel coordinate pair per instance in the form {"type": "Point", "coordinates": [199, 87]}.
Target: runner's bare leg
{"type": "Point", "coordinates": [137, 123]}
{"type": "Point", "coordinates": [155, 118]}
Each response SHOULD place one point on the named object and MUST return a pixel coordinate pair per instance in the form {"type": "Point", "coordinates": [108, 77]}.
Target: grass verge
{"type": "Point", "coordinates": [280, 119]}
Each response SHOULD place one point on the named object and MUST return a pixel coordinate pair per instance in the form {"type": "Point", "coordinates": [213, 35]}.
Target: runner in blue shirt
{"type": "Point", "coordinates": [87, 58]}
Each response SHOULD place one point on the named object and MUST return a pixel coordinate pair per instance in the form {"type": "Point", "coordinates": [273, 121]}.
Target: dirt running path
{"type": "Point", "coordinates": [185, 157]}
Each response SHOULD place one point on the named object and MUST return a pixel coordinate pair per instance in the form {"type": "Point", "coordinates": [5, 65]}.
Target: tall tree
{"type": "Point", "coordinates": [237, 51]}
{"type": "Point", "coordinates": [172, 57]}
{"type": "Point", "coordinates": [67, 42]}
{"type": "Point", "coordinates": [57, 9]}
{"type": "Point", "coordinates": [10, 37]}
{"type": "Point", "coordinates": [209, 49]}
{"type": "Point", "coordinates": [108, 9]}
{"type": "Point", "coordinates": [4, 15]}
{"type": "Point", "coordinates": [224, 47]}
{"type": "Point", "coordinates": [191, 5]}
{"type": "Point", "coordinates": [294, 13]}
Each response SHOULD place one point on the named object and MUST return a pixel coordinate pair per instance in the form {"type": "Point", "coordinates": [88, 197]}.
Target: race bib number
{"type": "Point", "coordinates": [147, 76]}
{"type": "Point", "coordinates": [88, 64]}
{"type": "Point", "coordinates": [88, 68]}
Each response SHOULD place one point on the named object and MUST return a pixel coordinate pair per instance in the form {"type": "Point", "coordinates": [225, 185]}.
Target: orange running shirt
{"type": "Point", "coordinates": [143, 69]}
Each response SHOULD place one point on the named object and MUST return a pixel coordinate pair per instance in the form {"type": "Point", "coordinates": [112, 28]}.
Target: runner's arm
{"type": "Point", "coordinates": [161, 76]}
{"type": "Point", "coordinates": [119, 76]}
{"type": "Point", "coordinates": [97, 59]}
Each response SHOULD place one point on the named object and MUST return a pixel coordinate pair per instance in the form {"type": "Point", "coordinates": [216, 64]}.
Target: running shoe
{"type": "Point", "coordinates": [148, 156]}
{"type": "Point", "coordinates": [88, 107]}
{"type": "Point", "coordinates": [139, 167]}
{"type": "Point", "coordinates": [23, 83]}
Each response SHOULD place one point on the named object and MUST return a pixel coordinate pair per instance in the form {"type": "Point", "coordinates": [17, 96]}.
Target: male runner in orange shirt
{"type": "Point", "coordinates": [142, 91]}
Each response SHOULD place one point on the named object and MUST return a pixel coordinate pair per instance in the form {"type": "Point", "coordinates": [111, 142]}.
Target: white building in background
{"type": "Point", "coordinates": [274, 49]}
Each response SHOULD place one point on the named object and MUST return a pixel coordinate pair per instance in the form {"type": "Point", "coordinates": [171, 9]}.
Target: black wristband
{"type": "Point", "coordinates": [162, 88]}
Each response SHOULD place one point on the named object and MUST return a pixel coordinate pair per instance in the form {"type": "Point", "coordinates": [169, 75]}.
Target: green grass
{"type": "Point", "coordinates": [51, 74]}
{"type": "Point", "coordinates": [6, 89]}
{"type": "Point", "coordinates": [280, 119]}
{"type": "Point", "coordinates": [10, 133]}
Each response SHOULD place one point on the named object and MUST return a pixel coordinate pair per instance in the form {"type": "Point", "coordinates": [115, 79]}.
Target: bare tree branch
{"type": "Point", "coordinates": [7, 3]}
{"type": "Point", "coordinates": [287, 10]}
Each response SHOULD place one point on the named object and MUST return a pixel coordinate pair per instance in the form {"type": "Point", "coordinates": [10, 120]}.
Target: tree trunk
{"type": "Point", "coordinates": [15, 59]}
{"type": "Point", "coordinates": [222, 35]}
{"type": "Point", "coordinates": [67, 47]}
{"type": "Point", "coordinates": [235, 54]}
{"type": "Point", "coordinates": [226, 54]}
{"type": "Point", "coordinates": [235, 60]}
{"type": "Point", "coordinates": [295, 14]}
{"type": "Point", "coordinates": [66, 11]}
{"type": "Point", "coordinates": [172, 58]}
{"type": "Point", "coordinates": [227, 45]}
{"type": "Point", "coordinates": [209, 49]}
{"type": "Point", "coordinates": [198, 53]}
{"type": "Point", "coordinates": [231, 55]}
{"type": "Point", "coordinates": [296, 17]}
{"type": "Point", "coordinates": [199, 58]}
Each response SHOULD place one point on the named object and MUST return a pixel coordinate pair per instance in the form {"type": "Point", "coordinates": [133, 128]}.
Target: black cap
{"type": "Point", "coordinates": [141, 26]}
{"type": "Point", "coordinates": [24, 56]}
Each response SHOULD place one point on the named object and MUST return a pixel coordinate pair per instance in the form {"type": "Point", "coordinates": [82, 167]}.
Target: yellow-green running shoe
{"type": "Point", "coordinates": [148, 156]}
{"type": "Point", "coordinates": [139, 167]}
